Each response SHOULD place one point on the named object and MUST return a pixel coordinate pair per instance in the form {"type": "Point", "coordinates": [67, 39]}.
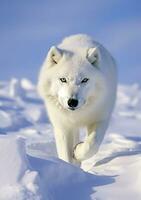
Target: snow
{"type": "Point", "coordinates": [30, 169]}
{"type": "Point", "coordinates": [13, 161]}
{"type": "Point", "coordinates": [17, 181]}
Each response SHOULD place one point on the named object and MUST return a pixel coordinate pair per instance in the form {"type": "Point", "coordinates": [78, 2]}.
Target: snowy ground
{"type": "Point", "coordinates": [30, 170]}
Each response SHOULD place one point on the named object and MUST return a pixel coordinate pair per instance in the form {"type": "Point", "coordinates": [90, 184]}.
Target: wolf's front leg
{"type": "Point", "coordinates": [91, 144]}
{"type": "Point", "coordinates": [66, 139]}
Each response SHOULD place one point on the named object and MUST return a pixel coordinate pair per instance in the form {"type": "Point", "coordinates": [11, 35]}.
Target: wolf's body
{"type": "Point", "coordinates": [78, 84]}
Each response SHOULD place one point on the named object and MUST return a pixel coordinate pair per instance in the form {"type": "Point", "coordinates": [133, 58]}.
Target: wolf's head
{"type": "Point", "coordinates": [74, 75]}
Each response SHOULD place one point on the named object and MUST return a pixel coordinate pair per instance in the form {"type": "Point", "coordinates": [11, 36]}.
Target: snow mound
{"type": "Point", "coordinates": [17, 181]}
{"type": "Point", "coordinates": [5, 119]}
{"type": "Point", "coordinates": [12, 159]}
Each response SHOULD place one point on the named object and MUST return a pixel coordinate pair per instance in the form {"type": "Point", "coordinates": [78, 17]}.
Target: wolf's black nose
{"type": "Point", "coordinates": [72, 102]}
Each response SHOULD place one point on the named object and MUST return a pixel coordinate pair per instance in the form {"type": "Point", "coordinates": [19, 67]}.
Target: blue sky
{"type": "Point", "coordinates": [28, 28]}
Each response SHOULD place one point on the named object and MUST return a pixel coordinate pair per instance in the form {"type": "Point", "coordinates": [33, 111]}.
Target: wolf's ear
{"type": "Point", "coordinates": [54, 55]}
{"type": "Point", "coordinates": [93, 56]}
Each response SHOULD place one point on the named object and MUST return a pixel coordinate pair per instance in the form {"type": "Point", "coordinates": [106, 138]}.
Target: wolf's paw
{"type": "Point", "coordinates": [85, 150]}
{"type": "Point", "coordinates": [80, 151]}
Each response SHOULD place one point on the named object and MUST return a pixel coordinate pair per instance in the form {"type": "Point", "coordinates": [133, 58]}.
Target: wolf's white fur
{"type": "Point", "coordinates": [76, 58]}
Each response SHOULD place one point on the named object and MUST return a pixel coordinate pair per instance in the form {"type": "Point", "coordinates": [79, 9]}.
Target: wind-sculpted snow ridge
{"type": "Point", "coordinates": [17, 180]}
{"type": "Point", "coordinates": [30, 169]}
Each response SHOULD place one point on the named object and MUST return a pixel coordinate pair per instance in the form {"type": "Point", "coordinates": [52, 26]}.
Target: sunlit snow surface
{"type": "Point", "coordinates": [30, 169]}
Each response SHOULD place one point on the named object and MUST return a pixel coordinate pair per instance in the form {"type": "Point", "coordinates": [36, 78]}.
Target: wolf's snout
{"type": "Point", "coordinates": [72, 103]}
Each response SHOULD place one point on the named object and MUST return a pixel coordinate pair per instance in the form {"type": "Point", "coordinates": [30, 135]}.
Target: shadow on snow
{"type": "Point", "coordinates": [65, 181]}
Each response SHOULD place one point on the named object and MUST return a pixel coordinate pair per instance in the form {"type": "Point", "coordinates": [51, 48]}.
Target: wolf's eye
{"type": "Point", "coordinates": [63, 80]}
{"type": "Point", "coordinates": [85, 80]}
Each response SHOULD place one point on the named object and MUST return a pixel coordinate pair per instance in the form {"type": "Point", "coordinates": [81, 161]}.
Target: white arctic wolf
{"type": "Point", "coordinates": [78, 84]}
